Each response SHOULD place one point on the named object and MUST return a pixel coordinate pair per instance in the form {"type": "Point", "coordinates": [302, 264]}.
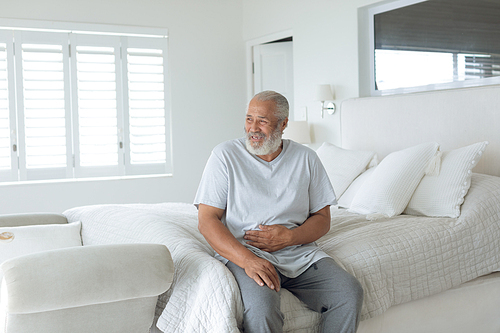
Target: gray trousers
{"type": "Point", "coordinates": [324, 287]}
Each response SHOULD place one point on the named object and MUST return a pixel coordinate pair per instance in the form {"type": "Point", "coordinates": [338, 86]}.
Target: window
{"type": "Point", "coordinates": [77, 104]}
{"type": "Point", "coordinates": [417, 45]}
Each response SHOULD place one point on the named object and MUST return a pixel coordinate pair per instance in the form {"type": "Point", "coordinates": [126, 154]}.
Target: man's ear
{"type": "Point", "coordinates": [284, 124]}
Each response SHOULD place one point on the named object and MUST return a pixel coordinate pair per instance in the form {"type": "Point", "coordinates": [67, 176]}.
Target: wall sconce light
{"type": "Point", "coordinates": [324, 92]}
{"type": "Point", "coordinates": [297, 131]}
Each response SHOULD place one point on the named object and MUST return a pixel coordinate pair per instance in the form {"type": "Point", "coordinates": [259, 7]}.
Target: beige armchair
{"type": "Point", "coordinates": [99, 288]}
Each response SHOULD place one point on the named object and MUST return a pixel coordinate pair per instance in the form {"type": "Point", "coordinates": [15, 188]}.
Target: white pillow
{"type": "Point", "coordinates": [343, 165]}
{"type": "Point", "coordinates": [18, 241]}
{"type": "Point", "coordinates": [346, 199]}
{"type": "Point", "coordinates": [443, 194]}
{"type": "Point", "coordinates": [389, 188]}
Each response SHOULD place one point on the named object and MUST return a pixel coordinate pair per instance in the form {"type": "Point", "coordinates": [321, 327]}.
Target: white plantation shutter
{"type": "Point", "coordinates": [97, 105]}
{"type": "Point", "coordinates": [98, 124]}
{"type": "Point", "coordinates": [83, 104]}
{"type": "Point", "coordinates": [44, 112]}
{"type": "Point", "coordinates": [5, 152]}
{"type": "Point", "coordinates": [480, 66]}
{"type": "Point", "coordinates": [43, 100]}
{"type": "Point", "coordinates": [147, 107]}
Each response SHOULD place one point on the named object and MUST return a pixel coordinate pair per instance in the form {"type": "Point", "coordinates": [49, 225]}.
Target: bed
{"type": "Point", "coordinates": [420, 272]}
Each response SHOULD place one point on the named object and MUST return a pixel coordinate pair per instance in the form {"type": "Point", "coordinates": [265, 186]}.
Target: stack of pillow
{"type": "Point", "coordinates": [419, 180]}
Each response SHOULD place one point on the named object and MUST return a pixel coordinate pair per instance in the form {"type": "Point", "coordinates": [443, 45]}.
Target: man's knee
{"type": "Point", "coordinates": [346, 289]}
{"type": "Point", "coordinates": [354, 292]}
{"type": "Point", "coordinates": [262, 311]}
{"type": "Point", "coordinates": [262, 314]}
{"type": "Point", "coordinates": [263, 307]}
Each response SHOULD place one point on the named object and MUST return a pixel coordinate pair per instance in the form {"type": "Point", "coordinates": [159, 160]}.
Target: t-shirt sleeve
{"type": "Point", "coordinates": [321, 192]}
{"type": "Point", "coordinates": [213, 187]}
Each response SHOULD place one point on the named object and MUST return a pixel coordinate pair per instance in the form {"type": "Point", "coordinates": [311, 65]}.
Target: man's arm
{"type": "Point", "coordinates": [276, 237]}
{"type": "Point", "coordinates": [222, 241]}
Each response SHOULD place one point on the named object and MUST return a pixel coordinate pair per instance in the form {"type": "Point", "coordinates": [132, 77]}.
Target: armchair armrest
{"type": "Point", "coordinates": [80, 276]}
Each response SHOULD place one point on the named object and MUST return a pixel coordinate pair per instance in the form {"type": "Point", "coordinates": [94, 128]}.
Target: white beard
{"type": "Point", "coordinates": [270, 145]}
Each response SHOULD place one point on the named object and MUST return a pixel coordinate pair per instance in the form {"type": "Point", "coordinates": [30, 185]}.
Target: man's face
{"type": "Point", "coordinates": [262, 128]}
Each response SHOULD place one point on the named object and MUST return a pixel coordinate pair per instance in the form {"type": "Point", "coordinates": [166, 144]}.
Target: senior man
{"type": "Point", "coordinates": [262, 203]}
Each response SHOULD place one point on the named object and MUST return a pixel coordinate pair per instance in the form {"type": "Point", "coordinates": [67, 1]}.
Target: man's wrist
{"type": "Point", "coordinates": [246, 257]}
{"type": "Point", "coordinates": [294, 237]}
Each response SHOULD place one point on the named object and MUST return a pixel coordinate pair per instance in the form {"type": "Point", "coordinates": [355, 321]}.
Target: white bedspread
{"type": "Point", "coordinates": [203, 296]}
{"type": "Point", "coordinates": [396, 260]}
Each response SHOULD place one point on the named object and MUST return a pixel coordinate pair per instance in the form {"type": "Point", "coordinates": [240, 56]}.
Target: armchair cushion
{"type": "Point", "coordinates": [21, 240]}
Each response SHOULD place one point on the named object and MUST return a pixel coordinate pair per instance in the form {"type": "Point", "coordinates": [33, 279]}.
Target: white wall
{"type": "Point", "coordinates": [325, 46]}
{"type": "Point", "coordinates": [207, 67]}
{"type": "Point", "coordinates": [207, 60]}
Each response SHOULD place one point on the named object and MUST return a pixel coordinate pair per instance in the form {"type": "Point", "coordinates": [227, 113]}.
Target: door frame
{"type": "Point", "coordinates": [249, 55]}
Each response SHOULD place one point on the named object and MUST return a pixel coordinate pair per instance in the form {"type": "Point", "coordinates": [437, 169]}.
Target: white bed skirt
{"type": "Point", "coordinates": [472, 307]}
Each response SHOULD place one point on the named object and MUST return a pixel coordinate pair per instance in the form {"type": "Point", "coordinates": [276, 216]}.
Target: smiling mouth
{"type": "Point", "coordinates": [256, 136]}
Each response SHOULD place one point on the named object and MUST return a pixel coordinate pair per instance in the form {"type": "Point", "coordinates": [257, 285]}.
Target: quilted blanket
{"type": "Point", "coordinates": [396, 259]}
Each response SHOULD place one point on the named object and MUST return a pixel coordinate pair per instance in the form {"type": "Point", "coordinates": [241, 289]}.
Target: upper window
{"type": "Point", "coordinates": [436, 44]}
{"type": "Point", "coordinates": [82, 104]}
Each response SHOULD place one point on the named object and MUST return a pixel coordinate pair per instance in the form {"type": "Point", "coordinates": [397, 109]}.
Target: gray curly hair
{"type": "Point", "coordinates": [282, 106]}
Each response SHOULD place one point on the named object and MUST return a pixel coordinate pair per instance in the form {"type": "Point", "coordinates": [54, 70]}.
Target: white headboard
{"type": "Point", "coordinates": [454, 118]}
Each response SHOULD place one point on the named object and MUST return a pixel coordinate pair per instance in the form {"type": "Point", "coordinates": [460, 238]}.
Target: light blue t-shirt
{"type": "Point", "coordinates": [252, 191]}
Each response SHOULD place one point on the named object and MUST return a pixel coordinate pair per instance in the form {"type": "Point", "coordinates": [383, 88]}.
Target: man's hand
{"type": "Point", "coordinates": [222, 241]}
{"type": "Point", "coordinates": [263, 272]}
{"type": "Point", "coordinates": [275, 237]}
{"type": "Point", "coordinates": [270, 238]}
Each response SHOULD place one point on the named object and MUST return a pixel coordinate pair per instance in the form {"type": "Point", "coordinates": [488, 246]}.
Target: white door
{"type": "Point", "coordinates": [273, 69]}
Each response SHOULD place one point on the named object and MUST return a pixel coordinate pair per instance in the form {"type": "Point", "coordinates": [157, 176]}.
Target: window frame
{"type": "Point", "coordinates": [40, 32]}
{"type": "Point", "coordinates": [366, 42]}
{"type": "Point", "coordinates": [106, 41]}
{"type": "Point", "coordinates": [147, 168]}
{"type": "Point", "coordinates": [35, 37]}
{"type": "Point", "coordinates": [12, 174]}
